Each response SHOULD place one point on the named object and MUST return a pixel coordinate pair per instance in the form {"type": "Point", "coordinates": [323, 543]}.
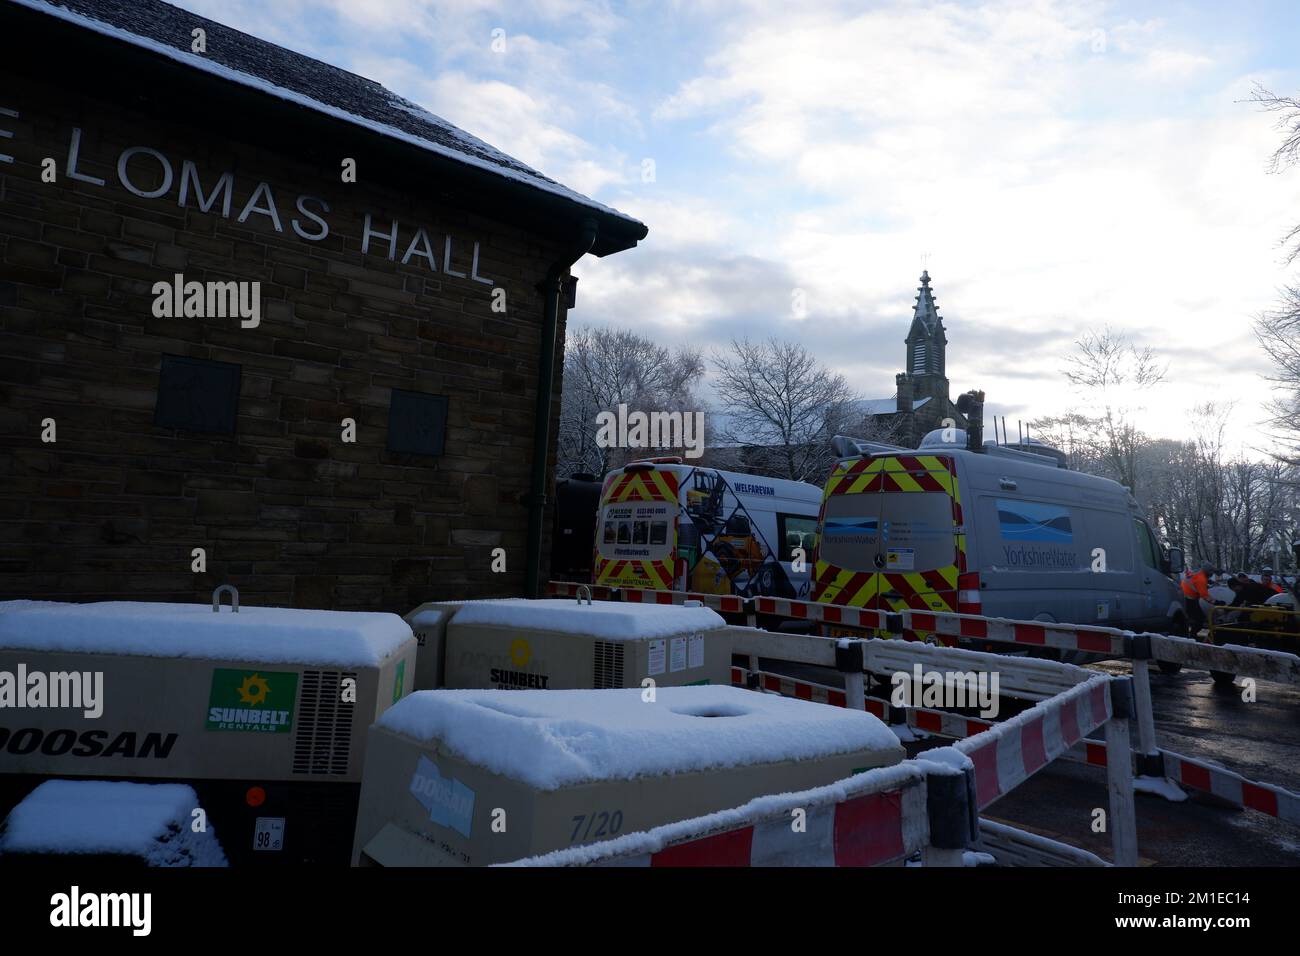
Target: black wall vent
{"type": "Point", "coordinates": [197, 395]}
{"type": "Point", "coordinates": [417, 423]}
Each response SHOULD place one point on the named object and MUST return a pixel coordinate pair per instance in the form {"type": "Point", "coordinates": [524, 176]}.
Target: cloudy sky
{"type": "Point", "coordinates": [1061, 166]}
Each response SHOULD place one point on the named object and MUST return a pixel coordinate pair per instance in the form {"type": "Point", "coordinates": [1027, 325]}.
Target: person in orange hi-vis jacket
{"type": "Point", "coordinates": [1196, 594]}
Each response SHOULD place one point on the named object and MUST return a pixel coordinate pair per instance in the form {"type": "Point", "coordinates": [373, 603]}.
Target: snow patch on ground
{"type": "Point", "coordinates": [1160, 787]}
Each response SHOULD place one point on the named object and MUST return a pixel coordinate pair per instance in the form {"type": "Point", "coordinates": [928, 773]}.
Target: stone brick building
{"type": "Point", "coordinates": [413, 303]}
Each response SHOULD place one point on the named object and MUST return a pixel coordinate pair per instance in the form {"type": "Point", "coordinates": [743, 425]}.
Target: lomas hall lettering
{"type": "Point", "coordinates": [140, 167]}
{"type": "Point", "coordinates": [90, 743]}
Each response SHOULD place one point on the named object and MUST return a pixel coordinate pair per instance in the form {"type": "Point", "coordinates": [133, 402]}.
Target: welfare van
{"type": "Point", "coordinates": [668, 526]}
{"type": "Point", "coordinates": [995, 530]}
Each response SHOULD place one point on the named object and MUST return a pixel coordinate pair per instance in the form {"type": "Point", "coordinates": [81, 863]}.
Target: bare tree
{"type": "Point", "coordinates": [1287, 153]}
{"type": "Point", "coordinates": [604, 368]}
{"type": "Point", "coordinates": [784, 405]}
{"type": "Point", "coordinates": [1108, 374]}
{"type": "Point", "coordinates": [1278, 332]}
{"type": "Point", "coordinates": [1234, 512]}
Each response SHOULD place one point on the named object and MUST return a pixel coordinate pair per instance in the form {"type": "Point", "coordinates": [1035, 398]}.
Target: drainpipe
{"type": "Point", "coordinates": [551, 289]}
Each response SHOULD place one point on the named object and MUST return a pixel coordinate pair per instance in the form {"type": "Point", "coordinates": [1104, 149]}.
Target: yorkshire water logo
{"type": "Point", "coordinates": [259, 702]}
{"type": "Point", "coordinates": [1032, 521]}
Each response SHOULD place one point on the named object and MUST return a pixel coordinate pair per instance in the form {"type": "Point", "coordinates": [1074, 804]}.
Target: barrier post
{"type": "Point", "coordinates": [1119, 776]}
{"type": "Point", "coordinates": [849, 661]}
{"type": "Point", "coordinates": [954, 820]}
{"type": "Point", "coordinates": [1149, 761]}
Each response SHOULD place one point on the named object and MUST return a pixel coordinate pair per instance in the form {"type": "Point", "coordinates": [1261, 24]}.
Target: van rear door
{"type": "Point", "coordinates": [636, 529]}
{"type": "Point", "coordinates": [891, 534]}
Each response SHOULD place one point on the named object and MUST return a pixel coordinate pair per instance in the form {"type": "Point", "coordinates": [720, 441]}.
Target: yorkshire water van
{"type": "Point", "coordinates": [995, 530]}
{"type": "Point", "coordinates": [668, 526]}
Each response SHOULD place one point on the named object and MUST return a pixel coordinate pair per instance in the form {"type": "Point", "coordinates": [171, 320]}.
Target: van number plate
{"type": "Point", "coordinates": [269, 834]}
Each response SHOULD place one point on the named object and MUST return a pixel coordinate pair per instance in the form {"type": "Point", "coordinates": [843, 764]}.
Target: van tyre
{"type": "Point", "coordinates": [1169, 667]}
{"type": "Point", "coordinates": [1222, 678]}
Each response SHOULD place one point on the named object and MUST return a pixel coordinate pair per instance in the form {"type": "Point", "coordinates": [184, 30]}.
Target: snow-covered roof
{"type": "Point", "coordinates": [607, 620]}
{"type": "Point", "coordinates": [557, 738]}
{"type": "Point", "coordinates": [149, 821]}
{"type": "Point", "coordinates": [247, 60]}
{"type": "Point", "coordinates": [921, 403]}
{"type": "Point", "coordinates": [272, 635]}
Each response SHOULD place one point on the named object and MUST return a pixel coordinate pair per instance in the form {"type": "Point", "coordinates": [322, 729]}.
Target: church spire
{"type": "Point", "coordinates": [926, 339]}
{"type": "Point", "coordinates": [925, 310]}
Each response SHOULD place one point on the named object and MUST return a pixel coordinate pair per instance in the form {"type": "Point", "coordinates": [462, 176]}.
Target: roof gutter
{"type": "Point", "coordinates": [552, 288]}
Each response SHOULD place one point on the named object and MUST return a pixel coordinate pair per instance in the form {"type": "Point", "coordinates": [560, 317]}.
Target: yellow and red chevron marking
{"type": "Point", "coordinates": [655, 575]}
{"type": "Point", "coordinates": [648, 485]}
{"type": "Point", "coordinates": [934, 590]}
{"type": "Point", "coordinates": [892, 473]}
{"type": "Point", "coordinates": [922, 590]}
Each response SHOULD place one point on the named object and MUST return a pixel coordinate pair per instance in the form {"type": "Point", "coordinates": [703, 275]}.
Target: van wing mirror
{"type": "Point", "coordinates": [1174, 559]}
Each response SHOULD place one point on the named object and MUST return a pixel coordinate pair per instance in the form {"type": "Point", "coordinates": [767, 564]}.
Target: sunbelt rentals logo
{"type": "Point", "coordinates": [259, 702]}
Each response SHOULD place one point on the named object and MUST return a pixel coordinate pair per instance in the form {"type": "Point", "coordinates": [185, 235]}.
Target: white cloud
{"type": "Point", "coordinates": [1050, 187]}
{"type": "Point", "coordinates": [1065, 165]}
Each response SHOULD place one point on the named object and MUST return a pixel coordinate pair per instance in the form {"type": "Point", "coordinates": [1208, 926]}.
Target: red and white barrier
{"type": "Point", "coordinates": [1235, 789]}
{"type": "Point", "coordinates": [802, 689]}
{"type": "Point", "coordinates": [946, 724]}
{"type": "Point", "coordinates": [722, 603]}
{"type": "Point", "coordinates": [939, 722]}
{"type": "Point", "coordinates": [1096, 640]}
{"type": "Point", "coordinates": [857, 617]}
{"type": "Point", "coordinates": [870, 819]}
{"type": "Point", "coordinates": [1009, 753]}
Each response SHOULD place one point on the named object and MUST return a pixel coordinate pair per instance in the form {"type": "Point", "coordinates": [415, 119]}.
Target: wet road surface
{"type": "Point", "coordinates": [1259, 740]}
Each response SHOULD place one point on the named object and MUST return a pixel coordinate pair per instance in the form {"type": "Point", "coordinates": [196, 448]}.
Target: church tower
{"type": "Point", "coordinates": [927, 344]}
{"type": "Point", "coordinates": [920, 403]}
{"type": "Point", "coordinates": [923, 388]}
